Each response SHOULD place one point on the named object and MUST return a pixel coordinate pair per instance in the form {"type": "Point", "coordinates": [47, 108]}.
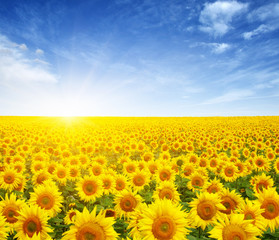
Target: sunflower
{"type": "Point", "coordinates": [74, 173]}
{"type": "Point", "coordinates": [108, 183]}
{"type": "Point", "coordinates": [261, 163]}
{"type": "Point", "coordinates": [165, 173]}
{"type": "Point", "coordinates": [129, 167]}
{"type": "Point", "coordinates": [167, 190]}
{"type": "Point", "coordinates": [32, 222]}
{"type": "Point", "coordinates": [252, 211]}
{"type": "Point", "coordinates": [40, 176]}
{"type": "Point", "coordinates": [61, 174]}
{"type": "Point", "coordinates": [230, 199]}
{"type": "Point", "coordinates": [121, 182]}
{"type": "Point", "coordinates": [9, 208]}
{"type": "Point", "coordinates": [187, 169]}
{"type": "Point", "coordinates": [269, 201]}
{"type": "Point", "coordinates": [163, 220]}
{"type": "Point", "coordinates": [70, 216]}
{"type": "Point", "coordinates": [205, 209]}
{"type": "Point", "coordinates": [3, 228]}
{"type": "Point", "coordinates": [197, 181]}
{"type": "Point", "coordinates": [134, 220]}
{"type": "Point", "coordinates": [234, 227]}
{"type": "Point", "coordinates": [96, 169]}
{"type": "Point", "coordinates": [229, 172]}
{"type": "Point", "coordinates": [260, 182]}
{"type": "Point", "coordinates": [213, 186]}
{"type": "Point", "coordinates": [48, 198]}
{"type": "Point", "coordinates": [139, 179]}
{"type": "Point", "coordinates": [9, 179]}
{"type": "Point", "coordinates": [153, 166]}
{"type": "Point", "coordinates": [89, 225]}
{"type": "Point", "coordinates": [89, 188]}
{"type": "Point", "coordinates": [126, 203]}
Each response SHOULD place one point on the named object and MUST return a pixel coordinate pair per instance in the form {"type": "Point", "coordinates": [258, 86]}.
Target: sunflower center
{"type": "Point", "coordinates": [90, 231]}
{"type": "Point", "coordinates": [188, 171]}
{"type": "Point", "coordinates": [271, 208]}
{"type": "Point", "coordinates": [73, 172]}
{"type": "Point", "coordinates": [197, 181]}
{"type": "Point", "coordinates": [120, 185]}
{"type": "Point", "coordinates": [11, 213]}
{"type": "Point", "coordinates": [107, 184]}
{"type": "Point", "coordinates": [31, 226]}
{"type": "Point", "coordinates": [138, 180]}
{"type": "Point", "coordinates": [206, 210]}
{"type": "Point", "coordinates": [130, 169]}
{"type": "Point", "coordinates": [212, 189]}
{"type": "Point", "coordinates": [163, 228]}
{"type": "Point", "coordinates": [261, 186]}
{"type": "Point", "coordinates": [41, 178]}
{"type": "Point", "coordinates": [61, 174]}
{"type": "Point", "coordinates": [166, 193]}
{"type": "Point", "coordinates": [89, 188]}
{"type": "Point", "coordinates": [45, 201]}
{"type": "Point", "coordinates": [165, 175]}
{"type": "Point", "coordinates": [249, 216]}
{"type": "Point", "coordinates": [229, 172]}
{"type": "Point", "coordinates": [234, 232]}
{"type": "Point", "coordinates": [259, 163]}
{"type": "Point", "coordinates": [229, 204]}
{"type": "Point", "coordinates": [9, 178]}
{"type": "Point", "coordinates": [128, 203]}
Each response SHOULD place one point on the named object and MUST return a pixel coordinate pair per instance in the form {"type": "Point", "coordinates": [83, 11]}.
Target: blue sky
{"type": "Point", "coordinates": [139, 58]}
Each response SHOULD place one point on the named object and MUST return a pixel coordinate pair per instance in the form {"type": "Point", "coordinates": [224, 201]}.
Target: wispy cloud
{"type": "Point", "coordinates": [268, 16]}
{"type": "Point", "coordinates": [231, 96]}
{"type": "Point", "coordinates": [16, 67]}
{"type": "Point", "coordinates": [216, 48]}
{"type": "Point", "coordinates": [216, 17]}
{"type": "Point", "coordinates": [39, 52]}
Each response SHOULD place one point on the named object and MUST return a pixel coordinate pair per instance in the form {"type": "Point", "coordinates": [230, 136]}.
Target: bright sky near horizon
{"type": "Point", "coordinates": [139, 58]}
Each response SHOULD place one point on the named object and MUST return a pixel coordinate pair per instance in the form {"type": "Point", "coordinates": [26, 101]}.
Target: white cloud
{"type": "Point", "coordinates": [23, 47]}
{"type": "Point", "coordinates": [216, 17]}
{"type": "Point", "coordinates": [233, 95]}
{"type": "Point", "coordinates": [268, 15]}
{"type": "Point", "coordinates": [261, 29]}
{"type": "Point", "coordinates": [39, 52]}
{"type": "Point", "coordinates": [16, 67]}
{"type": "Point", "coordinates": [216, 48]}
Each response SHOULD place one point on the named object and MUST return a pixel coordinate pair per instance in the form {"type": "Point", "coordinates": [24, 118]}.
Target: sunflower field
{"type": "Point", "coordinates": [139, 178]}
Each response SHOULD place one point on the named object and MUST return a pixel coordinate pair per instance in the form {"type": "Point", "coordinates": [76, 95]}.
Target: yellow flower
{"type": "Point", "coordinates": [9, 179]}
{"type": "Point", "coordinates": [205, 209]}
{"type": "Point", "coordinates": [121, 182]}
{"type": "Point", "coordinates": [70, 216]}
{"type": "Point", "coordinates": [108, 183]}
{"type": "Point", "coordinates": [126, 203]}
{"type": "Point", "coordinates": [139, 179]}
{"type": "Point", "coordinates": [269, 201]}
{"type": "Point", "coordinates": [48, 198]}
{"type": "Point", "coordinates": [89, 225]}
{"type": "Point", "coordinates": [167, 189]}
{"type": "Point", "coordinates": [32, 222]}
{"type": "Point", "coordinates": [197, 181]}
{"type": "Point", "coordinates": [230, 199]}
{"type": "Point", "coordinates": [9, 207]}
{"type": "Point", "coordinates": [234, 227]}
{"type": "Point", "coordinates": [163, 220]}
{"type": "Point", "coordinates": [89, 188]}
{"type": "Point", "coordinates": [213, 186]}
{"type": "Point", "coordinates": [252, 211]}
